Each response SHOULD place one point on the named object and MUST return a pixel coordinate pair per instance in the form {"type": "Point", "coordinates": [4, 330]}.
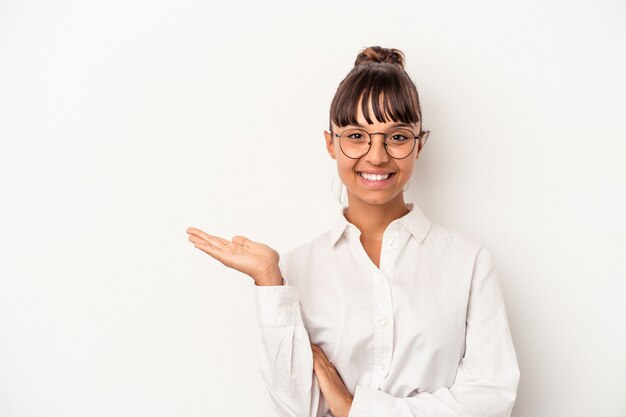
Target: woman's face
{"type": "Point", "coordinates": [375, 160]}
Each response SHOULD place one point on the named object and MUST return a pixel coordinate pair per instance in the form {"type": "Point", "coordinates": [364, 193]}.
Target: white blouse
{"type": "Point", "coordinates": [426, 335]}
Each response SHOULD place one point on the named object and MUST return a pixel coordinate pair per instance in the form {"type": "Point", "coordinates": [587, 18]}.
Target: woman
{"type": "Point", "coordinates": [387, 314]}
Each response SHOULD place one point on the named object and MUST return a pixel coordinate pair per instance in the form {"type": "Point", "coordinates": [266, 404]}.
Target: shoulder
{"type": "Point", "coordinates": [458, 254]}
{"type": "Point", "coordinates": [454, 242]}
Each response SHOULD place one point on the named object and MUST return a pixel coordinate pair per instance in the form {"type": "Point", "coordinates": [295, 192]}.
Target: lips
{"type": "Point", "coordinates": [376, 185]}
{"type": "Point", "coordinates": [376, 172]}
{"type": "Point", "coordinates": [391, 174]}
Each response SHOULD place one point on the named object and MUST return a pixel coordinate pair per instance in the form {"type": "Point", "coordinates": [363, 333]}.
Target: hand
{"type": "Point", "coordinates": [257, 260]}
{"type": "Point", "coordinates": [333, 389]}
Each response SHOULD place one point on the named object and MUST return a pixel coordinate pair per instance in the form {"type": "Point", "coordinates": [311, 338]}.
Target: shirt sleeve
{"type": "Point", "coordinates": [488, 374]}
{"type": "Point", "coordinates": [286, 358]}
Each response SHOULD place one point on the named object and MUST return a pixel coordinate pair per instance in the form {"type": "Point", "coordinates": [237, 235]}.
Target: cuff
{"type": "Point", "coordinates": [370, 402]}
{"type": "Point", "coordinates": [277, 305]}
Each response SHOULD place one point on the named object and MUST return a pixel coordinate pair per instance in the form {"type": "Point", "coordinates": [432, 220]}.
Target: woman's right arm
{"type": "Point", "coordinates": [286, 357]}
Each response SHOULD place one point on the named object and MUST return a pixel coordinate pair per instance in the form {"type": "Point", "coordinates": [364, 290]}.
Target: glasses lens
{"type": "Point", "coordinates": [354, 142]}
{"type": "Point", "coordinates": [400, 143]}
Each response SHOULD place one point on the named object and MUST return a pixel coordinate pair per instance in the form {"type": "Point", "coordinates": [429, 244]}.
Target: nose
{"type": "Point", "coordinates": [377, 153]}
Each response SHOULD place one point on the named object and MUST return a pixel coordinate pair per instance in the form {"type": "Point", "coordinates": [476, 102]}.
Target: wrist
{"type": "Point", "coordinates": [271, 276]}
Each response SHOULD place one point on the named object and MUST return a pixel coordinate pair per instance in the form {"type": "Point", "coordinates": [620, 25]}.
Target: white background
{"type": "Point", "coordinates": [124, 122]}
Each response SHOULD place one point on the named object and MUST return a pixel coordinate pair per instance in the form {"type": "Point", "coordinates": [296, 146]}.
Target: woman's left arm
{"type": "Point", "coordinates": [331, 385]}
{"type": "Point", "coordinates": [488, 375]}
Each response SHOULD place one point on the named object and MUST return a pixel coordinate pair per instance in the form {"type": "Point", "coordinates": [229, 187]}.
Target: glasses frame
{"type": "Point", "coordinates": [422, 136]}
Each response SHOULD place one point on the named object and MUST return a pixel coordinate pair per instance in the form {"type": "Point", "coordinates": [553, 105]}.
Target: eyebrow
{"type": "Point", "coordinates": [398, 124]}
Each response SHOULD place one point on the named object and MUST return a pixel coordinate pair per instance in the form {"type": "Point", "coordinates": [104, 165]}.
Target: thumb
{"type": "Point", "coordinates": [241, 240]}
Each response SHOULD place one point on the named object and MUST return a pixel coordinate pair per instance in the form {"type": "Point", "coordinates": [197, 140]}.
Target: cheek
{"type": "Point", "coordinates": [345, 167]}
{"type": "Point", "coordinates": [406, 169]}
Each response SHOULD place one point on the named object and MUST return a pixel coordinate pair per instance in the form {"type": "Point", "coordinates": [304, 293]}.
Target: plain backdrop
{"type": "Point", "coordinates": [122, 123]}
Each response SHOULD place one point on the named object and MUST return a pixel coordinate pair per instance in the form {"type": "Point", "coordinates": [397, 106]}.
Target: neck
{"type": "Point", "coordinates": [372, 219]}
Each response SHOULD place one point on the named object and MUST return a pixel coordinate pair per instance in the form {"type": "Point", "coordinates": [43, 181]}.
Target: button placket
{"type": "Point", "coordinates": [378, 336]}
{"type": "Point", "coordinates": [389, 256]}
{"type": "Point", "coordinates": [384, 329]}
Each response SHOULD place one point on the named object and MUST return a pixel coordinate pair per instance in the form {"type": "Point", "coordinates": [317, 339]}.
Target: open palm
{"type": "Point", "coordinates": [244, 255]}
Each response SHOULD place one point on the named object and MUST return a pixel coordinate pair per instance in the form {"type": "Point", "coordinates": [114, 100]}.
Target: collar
{"type": "Point", "coordinates": [414, 221]}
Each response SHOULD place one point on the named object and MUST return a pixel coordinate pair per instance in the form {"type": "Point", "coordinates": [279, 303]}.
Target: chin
{"type": "Point", "coordinates": [374, 197]}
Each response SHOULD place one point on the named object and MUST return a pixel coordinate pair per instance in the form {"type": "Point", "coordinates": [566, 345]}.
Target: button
{"type": "Point", "coordinates": [391, 243]}
{"type": "Point", "coordinates": [383, 322]}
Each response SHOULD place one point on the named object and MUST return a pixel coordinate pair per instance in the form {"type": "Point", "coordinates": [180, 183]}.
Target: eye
{"type": "Point", "coordinates": [354, 135]}
{"type": "Point", "coordinates": [399, 138]}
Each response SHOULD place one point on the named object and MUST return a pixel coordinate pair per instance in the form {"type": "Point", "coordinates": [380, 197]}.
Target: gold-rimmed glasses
{"type": "Point", "coordinates": [398, 142]}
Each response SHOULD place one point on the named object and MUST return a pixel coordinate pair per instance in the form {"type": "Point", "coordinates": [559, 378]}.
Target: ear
{"type": "Point", "coordinates": [330, 144]}
{"type": "Point", "coordinates": [422, 141]}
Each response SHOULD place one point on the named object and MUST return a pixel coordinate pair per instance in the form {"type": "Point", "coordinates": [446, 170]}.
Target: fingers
{"type": "Point", "coordinates": [216, 252]}
{"type": "Point", "coordinates": [201, 242]}
{"type": "Point", "coordinates": [317, 360]}
{"type": "Point", "coordinates": [319, 355]}
{"type": "Point", "coordinates": [220, 248]}
{"type": "Point", "coordinates": [214, 240]}
{"type": "Point", "coordinates": [317, 349]}
{"type": "Point", "coordinates": [214, 246]}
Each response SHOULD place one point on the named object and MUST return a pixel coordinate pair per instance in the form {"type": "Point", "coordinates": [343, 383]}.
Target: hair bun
{"type": "Point", "coordinates": [380, 55]}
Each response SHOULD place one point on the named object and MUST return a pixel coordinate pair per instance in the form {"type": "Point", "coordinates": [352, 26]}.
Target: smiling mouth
{"type": "Point", "coordinates": [375, 177]}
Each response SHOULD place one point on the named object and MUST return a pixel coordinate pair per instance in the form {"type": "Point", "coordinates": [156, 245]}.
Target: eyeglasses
{"type": "Point", "coordinates": [398, 142]}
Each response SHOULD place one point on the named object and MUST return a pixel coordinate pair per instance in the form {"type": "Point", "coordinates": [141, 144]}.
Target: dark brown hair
{"type": "Point", "coordinates": [378, 74]}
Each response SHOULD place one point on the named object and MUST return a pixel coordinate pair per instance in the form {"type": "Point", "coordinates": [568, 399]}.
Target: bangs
{"type": "Point", "coordinates": [391, 92]}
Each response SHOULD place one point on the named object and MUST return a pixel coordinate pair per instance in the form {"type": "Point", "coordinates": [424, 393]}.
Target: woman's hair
{"type": "Point", "coordinates": [379, 75]}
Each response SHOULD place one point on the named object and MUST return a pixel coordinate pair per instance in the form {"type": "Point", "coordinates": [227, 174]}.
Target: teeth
{"type": "Point", "coordinates": [374, 177]}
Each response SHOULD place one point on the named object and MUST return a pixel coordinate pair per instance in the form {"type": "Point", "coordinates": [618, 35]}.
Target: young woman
{"type": "Point", "coordinates": [386, 314]}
